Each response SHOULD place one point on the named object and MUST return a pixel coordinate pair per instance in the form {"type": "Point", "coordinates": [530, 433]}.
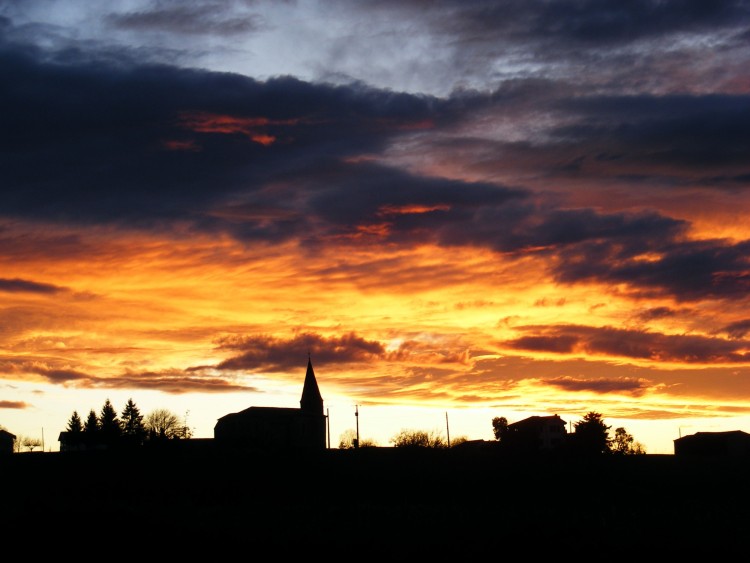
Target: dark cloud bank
{"type": "Point", "coordinates": [146, 147]}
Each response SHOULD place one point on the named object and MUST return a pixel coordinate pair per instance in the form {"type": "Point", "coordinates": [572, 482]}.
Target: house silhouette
{"type": "Point", "coordinates": [6, 441]}
{"type": "Point", "coordinates": [732, 443]}
{"type": "Point", "coordinates": [274, 428]}
{"type": "Point", "coordinates": [537, 434]}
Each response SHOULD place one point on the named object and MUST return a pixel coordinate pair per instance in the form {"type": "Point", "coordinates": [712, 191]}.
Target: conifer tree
{"type": "Point", "coordinates": [91, 426]}
{"type": "Point", "coordinates": [91, 429]}
{"type": "Point", "coordinates": [75, 426]}
{"type": "Point", "coordinates": [74, 434]}
{"type": "Point", "coordinates": [131, 423]}
{"type": "Point", "coordinates": [109, 424]}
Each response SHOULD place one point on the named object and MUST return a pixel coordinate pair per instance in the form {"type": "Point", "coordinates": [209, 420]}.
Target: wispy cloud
{"type": "Point", "coordinates": [26, 286]}
{"type": "Point", "coordinates": [631, 343]}
{"type": "Point", "coordinates": [14, 405]}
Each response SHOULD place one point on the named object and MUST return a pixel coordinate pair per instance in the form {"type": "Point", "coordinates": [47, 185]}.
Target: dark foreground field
{"type": "Point", "coordinates": [371, 502]}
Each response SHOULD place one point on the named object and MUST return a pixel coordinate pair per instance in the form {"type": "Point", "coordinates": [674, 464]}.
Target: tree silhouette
{"type": "Point", "coordinates": [18, 443]}
{"type": "Point", "coordinates": [349, 436]}
{"type": "Point", "coordinates": [624, 444]}
{"type": "Point", "coordinates": [591, 435]}
{"type": "Point", "coordinates": [91, 429]}
{"type": "Point", "coordinates": [75, 426]}
{"type": "Point", "coordinates": [109, 425]}
{"type": "Point", "coordinates": [458, 440]}
{"type": "Point", "coordinates": [163, 424]}
{"type": "Point", "coordinates": [74, 431]}
{"type": "Point", "coordinates": [91, 426]}
{"type": "Point", "coordinates": [133, 429]}
{"type": "Point", "coordinates": [418, 439]}
{"type": "Point", "coordinates": [31, 443]}
{"type": "Point", "coordinates": [500, 428]}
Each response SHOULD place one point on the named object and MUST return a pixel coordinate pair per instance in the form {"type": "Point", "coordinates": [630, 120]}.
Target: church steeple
{"type": "Point", "coordinates": [311, 401]}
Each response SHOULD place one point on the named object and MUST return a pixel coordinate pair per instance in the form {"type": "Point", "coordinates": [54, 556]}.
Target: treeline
{"type": "Point", "coordinates": [591, 436]}
{"type": "Point", "coordinates": [107, 429]}
{"type": "Point", "coordinates": [130, 428]}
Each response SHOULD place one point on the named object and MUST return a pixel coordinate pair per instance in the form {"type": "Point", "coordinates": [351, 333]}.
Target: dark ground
{"type": "Point", "coordinates": [378, 501]}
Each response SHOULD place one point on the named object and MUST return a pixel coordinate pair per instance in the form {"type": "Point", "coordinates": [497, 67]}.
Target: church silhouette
{"type": "Point", "coordinates": [275, 428]}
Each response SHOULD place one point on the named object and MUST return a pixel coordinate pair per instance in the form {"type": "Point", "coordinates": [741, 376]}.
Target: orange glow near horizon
{"type": "Point", "coordinates": [146, 311]}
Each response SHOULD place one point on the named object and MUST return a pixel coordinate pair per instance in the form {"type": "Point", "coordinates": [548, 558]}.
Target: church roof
{"type": "Point", "coordinates": [311, 397]}
{"type": "Point", "coordinates": [262, 411]}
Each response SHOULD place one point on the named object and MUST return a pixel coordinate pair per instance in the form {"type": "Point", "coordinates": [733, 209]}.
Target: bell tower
{"type": "Point", "coordinates": [311, 401]}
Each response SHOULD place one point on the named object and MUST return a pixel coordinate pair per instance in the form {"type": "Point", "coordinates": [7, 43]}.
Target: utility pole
{"type": "Point", "coordinates": [447, 429]}
{"type": "Point", "coordinates": [328, 429]}
{"type": "Point", "coordinates": [356, 417]}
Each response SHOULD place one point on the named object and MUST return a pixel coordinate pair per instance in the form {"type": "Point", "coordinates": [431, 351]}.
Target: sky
{"type": "Point", "coordinates": [457, 210]}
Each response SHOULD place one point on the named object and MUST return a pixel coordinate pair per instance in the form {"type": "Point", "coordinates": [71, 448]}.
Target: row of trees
{"type": "Point", "coordinates": [404, 438]}
{"type": "Point", "coordinates": [591, 437]}
{"type": "Point", "coordinates": [25, 442]}
{"type": "Point", "coordinates": [106, 428]}
{"type": "Point", "coordinates": [130, 427]}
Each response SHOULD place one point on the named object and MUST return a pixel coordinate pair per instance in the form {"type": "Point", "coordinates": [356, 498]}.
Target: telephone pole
{"type": "Point", "coordinates": [447, 429]}
{"type": "Point", "coordinates": [356, 417]}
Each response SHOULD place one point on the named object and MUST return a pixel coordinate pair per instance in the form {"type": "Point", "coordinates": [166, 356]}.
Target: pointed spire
{"type": "Point", "coordinates": [311, 400]}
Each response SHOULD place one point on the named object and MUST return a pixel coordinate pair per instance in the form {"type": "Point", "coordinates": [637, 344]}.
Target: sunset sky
{"type": "Point", "coordinates": [460, 210]}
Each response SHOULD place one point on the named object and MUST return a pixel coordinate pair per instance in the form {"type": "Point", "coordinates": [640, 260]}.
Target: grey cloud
{"type": "Point", "coordinates": [642, 45]}
{"type": "Point", "coordinates": [656, 313]}
{"type": "Point", "coordinates": [260, 352]}
{"type": "Point", "coordinates": [590, 21]}
{"type": "Point", "coordinates": [737, 330]}
{"type": "Point", "coordinates": [53, 371]}
{"type": "Point", "coordinates": [566, 24]}
{"type": "Point", "coordinates": [16, 285]}
{"type": "Point", "coordinates": [175, 382]}
{"type": "Point", "coordinates": [634, 387]}
{"type": "Point", "coordinates": [631, 343]}
{"type": "Point", "coordinates": [149, 146]}
{"type": "Point", "coordinates": [687, 270]}
{"type": "Point", "coordinates": [190, 18]}
{"type": "Point", "coordinates": [122, 143]}
{"type": "Point", "coordinates": [690, 131]}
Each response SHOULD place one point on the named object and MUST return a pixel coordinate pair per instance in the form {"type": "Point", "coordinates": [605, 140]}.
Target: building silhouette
{"type": "Point", "coordinates": [275, 428]}
{"type": "Point", "coordinates": [733, 443]}
{"type": "Point", "coordinates": [536, 434]}
{"type": "Point", "coordinates": [6, 441]}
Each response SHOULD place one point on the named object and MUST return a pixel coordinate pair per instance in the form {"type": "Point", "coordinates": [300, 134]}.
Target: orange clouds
{"type": "Point", "coordinates": [264, 140]}
{"type": "Point", "coordinates": [13, 405]}
{"type": "Point", "coordinates": [635, 345]}
{"type": "Point", "coordinates": [174, 145]}
{"type": "Point", "coordinates": [252, 127]}
{"type": "Point", "coordinates": [412, 209]}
